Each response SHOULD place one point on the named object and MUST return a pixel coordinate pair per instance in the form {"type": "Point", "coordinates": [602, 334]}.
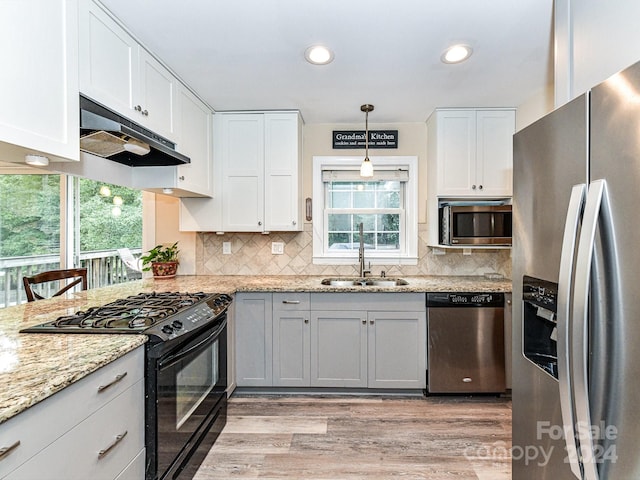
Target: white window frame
{"type": "Point", "coordinates": [408, 254]}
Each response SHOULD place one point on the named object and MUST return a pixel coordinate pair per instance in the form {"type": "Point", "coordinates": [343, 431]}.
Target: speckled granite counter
{"type": "Point", "coordinates": [35, 366]}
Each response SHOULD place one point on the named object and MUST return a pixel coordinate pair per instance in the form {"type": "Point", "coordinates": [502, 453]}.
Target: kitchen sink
{"type": "Point", "coordinates": [364, 282]}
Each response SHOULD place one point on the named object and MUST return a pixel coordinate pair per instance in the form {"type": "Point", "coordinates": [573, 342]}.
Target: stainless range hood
{"type": "Point", "coordinates": [106, 134]}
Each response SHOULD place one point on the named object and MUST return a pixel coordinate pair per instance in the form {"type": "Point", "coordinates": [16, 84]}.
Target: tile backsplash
{"type": "Point", "coordinates": [251, 255]}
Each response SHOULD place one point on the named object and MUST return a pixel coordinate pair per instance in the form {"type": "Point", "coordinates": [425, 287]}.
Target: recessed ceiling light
{"type": "Point", "coordinates": [318, 55]}
{"type": "Point", "coordinates": [456, 54]}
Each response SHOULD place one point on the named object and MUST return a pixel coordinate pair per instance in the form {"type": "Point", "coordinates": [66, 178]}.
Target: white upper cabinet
{"type": "Point", "coordinates": [194, 179]}
{"type": "Point", "coordinates": [260, 160]}
{"type": "Point", "coordinates": [39, 83]}
{"type": "Point", "coordinates": [470, 152]}
{"type": "Point", "coordinates": [108, 60]}
{"type": "Point", "coordinates": [155, 101]}
{"type": "Point", "coordinates": [195, 140]}
{"type": "Point", "coordinates": [242, 160]}
{"type": "Point", "coordinates": [282, 172]}
{"type": "Point", "coordinates": [119, 73]}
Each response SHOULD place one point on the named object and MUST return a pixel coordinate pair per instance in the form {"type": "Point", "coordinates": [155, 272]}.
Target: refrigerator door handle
{"type": "Point", "coordinates": [597, 202]}
{"type": "Point", "coordinates": [565, 283]}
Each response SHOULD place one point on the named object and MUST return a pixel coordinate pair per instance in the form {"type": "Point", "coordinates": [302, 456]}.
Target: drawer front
{"type": "Point", "coordinates": [93, 449]}
{"type": "Point", "coordinates": [375, 301]}
{"type": "Point", "coordinates": [291, 301]}
{"type": "Point", "coordinates": [65, 409]}
{"type": "Point", "coordinates": [135, 470]}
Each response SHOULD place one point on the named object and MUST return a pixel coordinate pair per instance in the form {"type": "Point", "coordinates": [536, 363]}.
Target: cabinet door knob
{"type": "Point", "coordinates": [480, 187]}
{"type": "Point", "coordinates": [259, 223]}
{"type": "Point", "coordinates": [364, 322]}
{"type": "Point", "coordinates": [181, 177]}
{"type": "Point", "coordinates": [306, 320]}
{"type": "Point", "coordinates": [145, 113]}
{"type": "Point", "coordinates": [293, 223]}
{"type": "Point", "coordinates": [137, 108]}
{"type": "Point", "coordinates": [473, 187]}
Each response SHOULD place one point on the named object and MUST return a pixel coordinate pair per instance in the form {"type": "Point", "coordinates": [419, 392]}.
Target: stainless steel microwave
{"type": "Point", "coordinates": [475, 224]}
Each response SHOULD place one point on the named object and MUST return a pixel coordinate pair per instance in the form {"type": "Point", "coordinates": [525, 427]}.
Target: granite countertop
{"type": "Point", "coordinates": [35, 366]}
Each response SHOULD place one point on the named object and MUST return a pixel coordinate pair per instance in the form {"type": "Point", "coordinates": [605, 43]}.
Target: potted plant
{"type": "Point", "coordinates": [162, 261]}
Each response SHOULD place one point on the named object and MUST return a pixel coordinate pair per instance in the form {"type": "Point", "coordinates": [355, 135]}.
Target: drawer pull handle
{"type": "Point", "coordinates": [6, 450]}
{"type": "Point", "coordinates": [467, 380]}
{"type": "Point", "coordinates": [102, 388]}
{"type": "Point", "coordinates": [291, 302]}
{"type": "Point", "coordinates": [103, 453]}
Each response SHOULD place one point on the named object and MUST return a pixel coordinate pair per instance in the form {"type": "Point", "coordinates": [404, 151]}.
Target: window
{"type": "Point", "coordinates": [50, 221]}
{"type": "Point", "coordinates": [385, 205]}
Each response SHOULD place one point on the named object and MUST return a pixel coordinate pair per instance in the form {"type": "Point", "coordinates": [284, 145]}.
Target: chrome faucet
{"type": "Point", "coordinates": [363, 272]}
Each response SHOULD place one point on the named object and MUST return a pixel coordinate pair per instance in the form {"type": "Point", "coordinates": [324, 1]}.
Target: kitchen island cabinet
{"type": "Point", "coordinates": [39, 84]}
{"type": "Point", "coordinates": [99, 418]}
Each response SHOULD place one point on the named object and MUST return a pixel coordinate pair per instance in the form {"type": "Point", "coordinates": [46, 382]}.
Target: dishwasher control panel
{"type": "Point", "coordinates": [462, 299]}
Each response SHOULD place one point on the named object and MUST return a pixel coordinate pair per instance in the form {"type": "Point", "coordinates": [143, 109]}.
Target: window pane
{"type": "Point", "coordinates": [368, 222]}
{"type": "Point", "coordinates": [388, 241]}
{"type": "Point", "coordinates": [364, 199]}
{"type": "Point", "coordinates": [29, 215]}
{"type": "Point", "coordinates": [340, 199]}
{"type": "Point", "coordinates": [388, 199]}
{"type": "Point", "coordinates": [340, 223]}
{"type": "Point", "coordinates": [110, 216]}
{"type": "Point", "coordinates": [341, 241]}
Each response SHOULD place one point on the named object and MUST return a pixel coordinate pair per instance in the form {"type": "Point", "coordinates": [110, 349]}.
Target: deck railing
{"type": "Point", "coordinates": [104, 268]}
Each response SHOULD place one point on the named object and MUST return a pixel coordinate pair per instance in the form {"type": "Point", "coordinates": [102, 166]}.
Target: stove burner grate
{"type": "Point", "coordinates": [134, 312]}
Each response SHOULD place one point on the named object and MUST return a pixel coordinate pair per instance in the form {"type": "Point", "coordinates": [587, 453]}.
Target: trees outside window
{"type": "Point", "coordinates": [104, 218]}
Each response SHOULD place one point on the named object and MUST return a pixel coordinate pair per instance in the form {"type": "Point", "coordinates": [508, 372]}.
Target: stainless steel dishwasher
{"type": "Point", "coordinates": [465, 343]}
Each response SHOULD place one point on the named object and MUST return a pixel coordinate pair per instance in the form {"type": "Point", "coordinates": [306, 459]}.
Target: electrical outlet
{"type": "Point", "coordinates": [277, 248]}
{"type": "Point", "coordinates": [226, 248]}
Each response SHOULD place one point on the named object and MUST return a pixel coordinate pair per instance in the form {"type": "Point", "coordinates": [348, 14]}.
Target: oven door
{"type": "Point", "coordinates": [190, 402]}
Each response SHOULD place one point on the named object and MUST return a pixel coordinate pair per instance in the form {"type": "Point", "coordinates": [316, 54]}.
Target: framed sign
{"type": "Point", "coordinates": [344, 139]}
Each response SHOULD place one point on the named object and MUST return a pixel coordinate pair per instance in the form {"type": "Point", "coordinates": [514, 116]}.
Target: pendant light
{"type": "Point", "coordinates": [366, 169]}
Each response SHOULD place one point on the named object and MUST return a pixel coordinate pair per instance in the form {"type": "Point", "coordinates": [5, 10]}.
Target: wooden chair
{"type": "Point", "coordinates": [80, 275]}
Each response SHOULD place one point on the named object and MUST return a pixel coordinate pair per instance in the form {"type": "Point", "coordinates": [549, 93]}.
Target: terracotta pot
{"type": "Point", "coordinates": [164, 269]}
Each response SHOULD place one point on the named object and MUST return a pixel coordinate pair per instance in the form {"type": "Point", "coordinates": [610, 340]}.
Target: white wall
{"type": "Point", "coordinates": [594, 39]}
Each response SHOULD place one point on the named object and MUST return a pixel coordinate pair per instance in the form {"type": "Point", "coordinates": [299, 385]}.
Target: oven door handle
{"type": "Point", "coordinates": [173, 359]}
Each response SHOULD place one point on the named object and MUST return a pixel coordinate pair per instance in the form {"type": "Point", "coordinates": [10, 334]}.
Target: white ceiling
{"type": "Point", "coordinates": [249, 54]}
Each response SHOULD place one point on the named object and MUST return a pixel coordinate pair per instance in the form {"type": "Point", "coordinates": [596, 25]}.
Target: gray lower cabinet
{"type": "Point", "coordinates": [351, 340]}
{"type": "Point", "coordinates": [396, 349]}
{"type": "Point", "coordinates": [253, 346]}
{"type": "Point", "coordinates": [291, 340]}
{"type": "Point", "coordinates": [339, 349]}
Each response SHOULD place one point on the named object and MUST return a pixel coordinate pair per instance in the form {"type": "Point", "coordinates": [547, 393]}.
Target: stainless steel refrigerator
{"type": "Point", "coordinates": [576, 288]}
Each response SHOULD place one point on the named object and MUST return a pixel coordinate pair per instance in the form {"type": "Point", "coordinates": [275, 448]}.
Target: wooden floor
{"type": "Point", "coordinates": [345, 438]}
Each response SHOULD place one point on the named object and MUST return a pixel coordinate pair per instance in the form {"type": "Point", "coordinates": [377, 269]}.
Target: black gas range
{"type": "Point", "coordinates": [161, 315]}
{"type": "Point", "coordinates": [185, 370]}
